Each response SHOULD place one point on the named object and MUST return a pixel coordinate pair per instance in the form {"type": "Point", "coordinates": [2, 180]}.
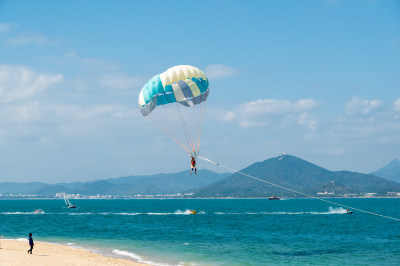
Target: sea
{"type": "Point", "coordinates": [222, 232]}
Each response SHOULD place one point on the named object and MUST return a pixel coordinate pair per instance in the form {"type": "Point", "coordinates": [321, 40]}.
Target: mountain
{"type": "Point", "coordinates": [169, 183]}
{"type": "Point", "coordinates": [20, 188]}
{"type": "Point", "coordinates": [297, 174]}
{"type": "Point", "coordinates": [390, 171]}
{"type": "Point", "coordinates": [123, 186]}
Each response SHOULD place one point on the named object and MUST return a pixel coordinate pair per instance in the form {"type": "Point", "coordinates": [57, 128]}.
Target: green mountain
{"type": "Point", "coordinates": [169, 183]}
{"type": "Point", "coordinates": [124, 186]}
{"type": "Point", "coordinates": [20, 188]}
{"type": "Point", "coordinates": [297, 174]}
{"type": "Point", "coordinates": [390, 171]}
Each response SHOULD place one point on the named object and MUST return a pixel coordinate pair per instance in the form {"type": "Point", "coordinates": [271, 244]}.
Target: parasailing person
{"type": "Point", "coordinates": [175, 102]}
{"type": "Point", "coordinates": [193, 166]}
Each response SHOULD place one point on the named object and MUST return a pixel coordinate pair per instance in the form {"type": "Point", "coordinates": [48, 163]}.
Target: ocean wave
{"type": "Point", "coordinates": [17, 239]}
{"type": "Point", "coordinates": [137, 257]}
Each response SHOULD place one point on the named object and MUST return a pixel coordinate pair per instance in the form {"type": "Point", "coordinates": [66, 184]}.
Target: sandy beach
{"type": "Point", "coordinates": [14, 253]}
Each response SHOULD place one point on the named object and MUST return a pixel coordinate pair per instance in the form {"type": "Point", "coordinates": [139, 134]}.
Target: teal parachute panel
{"type": "Point", "coordinates": [184, 84]}
{"type": "Point", "coordinates": [175, 101]}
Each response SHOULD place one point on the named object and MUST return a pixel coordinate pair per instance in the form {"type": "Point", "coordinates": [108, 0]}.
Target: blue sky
{"type": "Point", "coordinates": [316, 79]}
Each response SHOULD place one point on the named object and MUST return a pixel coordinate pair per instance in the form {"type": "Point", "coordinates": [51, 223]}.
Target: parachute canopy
{"type": "Point", "coordinates": [184, 84]}
{"type": "Point", "coordinates": [175, 101]}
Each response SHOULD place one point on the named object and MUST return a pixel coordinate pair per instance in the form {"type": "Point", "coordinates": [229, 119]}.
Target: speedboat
{"type": "Point", "coordinates": [193, 212]}
{"type": "Point", "coordinates": [39, 211]}
{"type": "Point", "coordinates": [273, 198]}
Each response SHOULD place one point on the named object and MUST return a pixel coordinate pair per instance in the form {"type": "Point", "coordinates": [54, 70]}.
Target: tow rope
{"type": "Point", "coordinates": [292, 190]}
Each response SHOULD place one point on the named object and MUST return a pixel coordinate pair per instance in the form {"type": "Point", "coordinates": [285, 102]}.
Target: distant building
{"type": "Point", "coordinates": [326, 193]}
{"type": "Point", "coordinates": [350, 195]}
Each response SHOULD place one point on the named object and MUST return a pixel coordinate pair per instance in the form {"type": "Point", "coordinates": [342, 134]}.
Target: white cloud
{"type": "Point", "coordinates": [66, 119]}
{"type": "Point", "coordinates": [26, 38]}
{"type": "Point", "coordinates": [18, 82]}
{"type": "Point", "coordinates": [273, 106]}
{"type": "Point", "coordinates": [219, 71]}
{"type": "Point", "coordinates": [280, 113]}
{"type": "Point", "coordinates": [229, 116]}
{"type": "Point", "coordinates": [395, 43]}
{"type": "Point", "coordinates": [396, 105]}
{"type": "Point", "coordinates": [357, 106]}
{"type": "Point", "coordinates": [5, 27]}
{"type": "Point", "coordinates": [120, 81]}
{"type": "Point", "coordinates": [70, 53]}
{"type": "Point", "coordinates": [307, 120]}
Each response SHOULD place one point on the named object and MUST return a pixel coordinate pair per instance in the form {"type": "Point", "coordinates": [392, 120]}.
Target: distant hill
{"type": "Point", "coordinates": [295, 173]}
{"type": "Point", "coordinates": [124, 186]}
{"type": "Point", "coordinates": [390, 171]}
{"type": "Point", "coordinates": [20, 188]}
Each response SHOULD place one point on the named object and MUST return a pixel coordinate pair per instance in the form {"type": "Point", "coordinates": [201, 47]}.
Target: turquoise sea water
{"type": "Point", "coordinates": [223, 232]}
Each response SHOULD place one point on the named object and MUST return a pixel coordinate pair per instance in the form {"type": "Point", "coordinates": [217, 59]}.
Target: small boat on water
{"type": "Point", "coordinates": [273, 198]}
{"type": "Point", "coordinates": [193, 212]}
{"type": "Point", "coordinates": [69, 204]}
{"type": "Point", "coordinates": [39, 211]}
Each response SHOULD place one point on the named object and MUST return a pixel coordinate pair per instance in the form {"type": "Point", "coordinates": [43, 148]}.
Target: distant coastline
{"type": "Point", "coordinates": [281, 198]}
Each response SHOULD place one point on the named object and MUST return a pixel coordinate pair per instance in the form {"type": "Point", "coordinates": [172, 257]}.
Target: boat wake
{"type": "Point", "coordinates": [331, 210]}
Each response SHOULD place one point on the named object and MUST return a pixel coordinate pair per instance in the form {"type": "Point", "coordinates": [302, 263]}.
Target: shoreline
{"type": "Point", "coordinates": [14, 252]}
{"type": "Point", "coordinates": [358, 197]}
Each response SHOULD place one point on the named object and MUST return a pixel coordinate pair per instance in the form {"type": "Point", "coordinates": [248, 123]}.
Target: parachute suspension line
{"type": "Point", "coordinates": [175, 123]}
{"type": "Point", "coordinates": [161, 125]}
{"type": "Point", "coordinates": [202, 112]}
{"type": "Point", "coordinates": [188, 139]}
{"type": "Point", "coordinates": [184, 129]}
{"type": "Point", "coordinates": [193, 126]}
{"type": "Point", "coordinates": [198, 109]}
{"type": "Point", "coordinates": [298, 192]}
{"type": "Point", "coordinates": [191, 119]}
{"type": "Point", "coordinates": [196, 126]}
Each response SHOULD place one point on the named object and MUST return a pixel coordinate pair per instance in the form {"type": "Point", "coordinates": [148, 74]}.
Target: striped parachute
{"type": "Point", "coordinates": [175, 101]}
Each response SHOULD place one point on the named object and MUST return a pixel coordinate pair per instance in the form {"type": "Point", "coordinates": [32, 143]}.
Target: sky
{"type": "Point", "coordinates": [316, 79]}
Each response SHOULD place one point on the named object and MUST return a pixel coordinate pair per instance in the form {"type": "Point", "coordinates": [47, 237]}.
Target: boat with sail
{"type": "Point", "coordinates": [69, 204]}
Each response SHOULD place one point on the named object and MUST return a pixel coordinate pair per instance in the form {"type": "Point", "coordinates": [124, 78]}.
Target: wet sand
{"type": "Point", "coordinates": [14, 253]}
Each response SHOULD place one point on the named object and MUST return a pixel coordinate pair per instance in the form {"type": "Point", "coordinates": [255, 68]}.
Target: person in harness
{"type": "Point", "coordinates": [193, 166]}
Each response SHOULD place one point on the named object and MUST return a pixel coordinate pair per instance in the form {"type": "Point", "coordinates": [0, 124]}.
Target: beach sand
{"type": "Point", "coordinates": [14, 253]}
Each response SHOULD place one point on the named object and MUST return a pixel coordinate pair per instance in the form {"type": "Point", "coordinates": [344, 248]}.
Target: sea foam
{"type": "Point", "coordinates": [137, 257]}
